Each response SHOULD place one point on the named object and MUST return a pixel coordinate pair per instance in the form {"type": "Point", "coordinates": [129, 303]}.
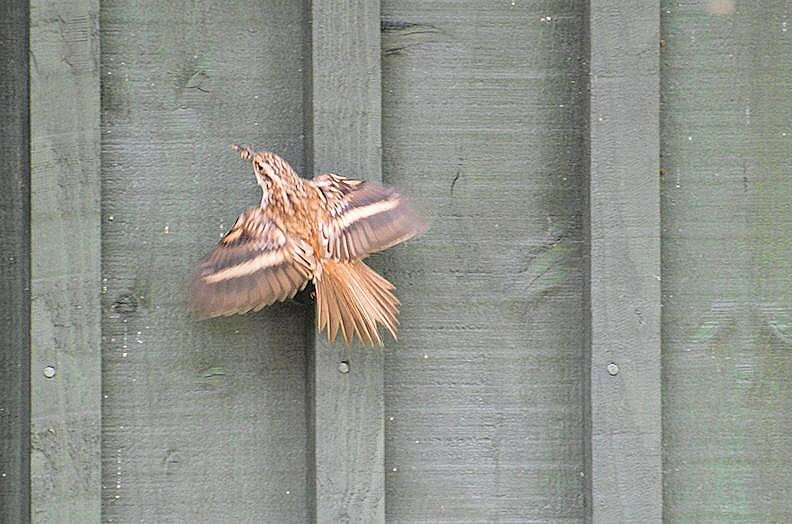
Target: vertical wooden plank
{"type": "Point", "coordinates": [203, 421]}
{"type": "Point", "coordinates": [342, 129]}
{"type": "Point", "coordinates": [485, 125]}
{"type": "Point", "coordinates": [14, 263]}
{"type": "Point", "coordinates": [624, 278]}
{"type": "Point", "coordinates": [65, 357]}
{"type": "Point", "coordinates": [727, 265]}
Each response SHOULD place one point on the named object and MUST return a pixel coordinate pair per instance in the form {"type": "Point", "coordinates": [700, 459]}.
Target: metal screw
{"type": "Point", "coordinates": [343, 366]}
{"type": "Point", "coordinates": [49, 371]}
{"type": "Point", "coordinates": [613, 369]}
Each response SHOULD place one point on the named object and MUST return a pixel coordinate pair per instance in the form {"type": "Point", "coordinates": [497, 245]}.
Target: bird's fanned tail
{"type": "Point", "coordinates": [353, 298]}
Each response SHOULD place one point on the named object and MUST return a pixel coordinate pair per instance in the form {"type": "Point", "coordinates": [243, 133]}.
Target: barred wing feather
{"type": "Point", "coordinates": [364, 217]}
{"type": "Point", "coordinates": [254, 265]}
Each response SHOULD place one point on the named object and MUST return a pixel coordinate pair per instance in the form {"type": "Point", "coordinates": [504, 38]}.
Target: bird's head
{"type": "Point", "coordinates": [272, 172]}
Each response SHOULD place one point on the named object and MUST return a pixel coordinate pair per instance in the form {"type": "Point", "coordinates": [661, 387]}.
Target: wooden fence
{"type": "Point", "coordinates": [596, 327]}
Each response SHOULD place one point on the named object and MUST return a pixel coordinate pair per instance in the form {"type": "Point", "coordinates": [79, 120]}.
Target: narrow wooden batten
{"type": "Point", "coordinates": [623, 441]}
{"type": "Point", "coordinates": [342, 135]}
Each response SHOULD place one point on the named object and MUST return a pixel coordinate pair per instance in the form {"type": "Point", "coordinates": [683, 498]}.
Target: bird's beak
{"type": "Point", "coordinates": [246, 152]}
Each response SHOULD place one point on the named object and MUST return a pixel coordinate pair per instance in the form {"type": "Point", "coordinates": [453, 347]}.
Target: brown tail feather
{"type": "Point", "coordinates": [352, 297]}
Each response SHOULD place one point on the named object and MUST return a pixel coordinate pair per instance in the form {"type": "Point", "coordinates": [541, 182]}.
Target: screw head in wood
{"type": "Point", "coordinates": [49, 371]}
{"type": "Point", "coordinates": [343, 366]}
{"type": "Point", "coordinates": [613, 369]}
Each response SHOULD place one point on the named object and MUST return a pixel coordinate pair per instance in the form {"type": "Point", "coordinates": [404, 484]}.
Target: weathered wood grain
{"type": "Point", "coordinates": [14, 263]}
{"type": "Point", "coordinates": [484, 122]}
{"type": "Point", "coordinates": [65, 253]}
{"type": "Point", "coordinates": [624, 276]}
{"type": "Point", "coordinates": [727, 261]}
{"type": "Point", "coordinates": [203, 421]}
{"type": "Point", "coordinates": [342, 130]}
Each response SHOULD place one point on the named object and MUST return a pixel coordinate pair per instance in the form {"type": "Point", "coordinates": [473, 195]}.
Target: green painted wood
{"type": "Point", "coordinates": [203, 421]}
{"type": "Point", "coordinates": [65, 254]}
{"type": "Point", "coordinates": [14, 263]}
{"type": "Point", "coordinates": [727, 264]}
{"type": "Point", "coordinates": [625, 475]}
{"type": "Point", "coordinates": [485, 123]}
{"type": "Point", "coordinates": [342, 130]}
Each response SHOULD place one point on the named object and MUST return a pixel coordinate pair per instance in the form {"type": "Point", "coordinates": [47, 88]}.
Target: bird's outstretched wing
{"type": "Point", "coordinates": [254, 265]}
{"type": "Point", "coordinates": [364, 217]}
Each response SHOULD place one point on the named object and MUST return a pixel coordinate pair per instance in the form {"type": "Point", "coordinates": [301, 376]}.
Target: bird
{"type": "Point", "coordinates": [318, 231]}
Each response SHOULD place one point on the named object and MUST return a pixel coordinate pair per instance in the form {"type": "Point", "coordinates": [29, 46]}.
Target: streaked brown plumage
{"type": "Point", "coordinates": [309, 230]}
